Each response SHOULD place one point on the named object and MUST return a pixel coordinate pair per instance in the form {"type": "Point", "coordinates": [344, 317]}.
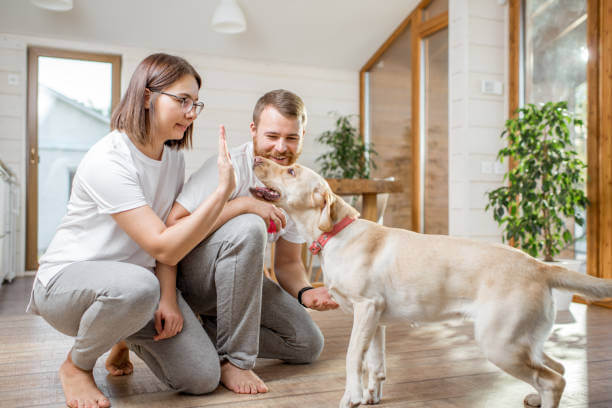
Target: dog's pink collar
{"type": "Point", "coordinates": [318, 245]}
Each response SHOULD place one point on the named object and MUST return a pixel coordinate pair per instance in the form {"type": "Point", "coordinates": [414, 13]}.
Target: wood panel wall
{"type": "Point", "coordinates": [391, 125]}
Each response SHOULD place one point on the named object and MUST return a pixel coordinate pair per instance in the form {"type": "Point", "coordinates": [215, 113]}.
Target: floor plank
{"type": "Point", "coordinates": [432, 365]}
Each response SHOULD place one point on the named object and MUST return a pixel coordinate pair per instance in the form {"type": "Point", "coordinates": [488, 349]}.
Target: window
{"type": "Point", "coordinates": [555, 66]}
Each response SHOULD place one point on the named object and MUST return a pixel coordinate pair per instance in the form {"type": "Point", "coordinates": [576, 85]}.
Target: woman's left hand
{"type": "Point", "coordinates": [168, 320]}
{"type": "Point", "coordinates": [227, 176]}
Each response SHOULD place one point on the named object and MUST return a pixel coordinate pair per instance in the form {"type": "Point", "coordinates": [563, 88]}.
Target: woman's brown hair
{"type": "Point", "coordinates": [156, 72]}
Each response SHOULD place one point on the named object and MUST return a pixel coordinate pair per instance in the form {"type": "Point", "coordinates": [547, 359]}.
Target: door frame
{"type": "Point", "coordinates": [419, 30]}
{"type": "Point", "coordinates": [32, 158]}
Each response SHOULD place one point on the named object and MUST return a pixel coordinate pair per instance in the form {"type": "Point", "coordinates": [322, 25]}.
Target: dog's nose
{"type": "Point", "coordinates": [258, 161]}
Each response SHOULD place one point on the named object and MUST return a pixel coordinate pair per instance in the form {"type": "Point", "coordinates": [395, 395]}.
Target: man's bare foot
{"type": "Point", "coordinates": [118, 361]}
{"type": "Point", "coordinates": [241, 381]}
{"type": "Point", "coordinates": [80, 388]}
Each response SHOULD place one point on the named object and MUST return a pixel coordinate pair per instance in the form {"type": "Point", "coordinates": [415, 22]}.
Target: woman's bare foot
{"type": "Point", "coordinates": [118, 361]}
{"type": "Point", "coordinates": [241, 381]}
{"type": "Point", "coordinates": [80, 388]}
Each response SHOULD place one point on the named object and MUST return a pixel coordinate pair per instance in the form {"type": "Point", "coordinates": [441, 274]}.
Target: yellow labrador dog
{"type": "Point", "coordinates": [384, 274]}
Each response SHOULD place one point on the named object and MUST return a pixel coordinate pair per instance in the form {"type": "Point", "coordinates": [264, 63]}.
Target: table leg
{"type": "Point", "coordinates": [369, 207]}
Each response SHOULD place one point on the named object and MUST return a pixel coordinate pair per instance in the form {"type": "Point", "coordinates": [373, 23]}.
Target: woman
{"type": "Point", "coordinates": [96, 280]}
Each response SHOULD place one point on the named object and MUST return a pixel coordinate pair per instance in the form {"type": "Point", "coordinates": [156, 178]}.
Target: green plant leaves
{"type": "Point", "coordinates": [347, 155]}
{"type": "Point", "coordinates": [544, 187]}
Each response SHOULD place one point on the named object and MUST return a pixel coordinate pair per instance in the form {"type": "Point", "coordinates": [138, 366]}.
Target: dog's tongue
{"type": "Point", "coordinates": [265, 193]}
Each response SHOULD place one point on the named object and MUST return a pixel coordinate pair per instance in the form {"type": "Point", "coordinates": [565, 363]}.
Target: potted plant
{"type": "Point", "coordinates": [544, 181]}
{"type": "Point", "coordinates": [349, 157]}
{"type": "Point", "coordinates": [347, 166]}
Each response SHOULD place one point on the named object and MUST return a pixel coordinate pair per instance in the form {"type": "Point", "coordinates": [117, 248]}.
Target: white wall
{"type": "Point", "coordinates": [231, 88]}
{"type": "Point", "coordinates": [478, 51]}
{"type": "Point", "coordinates": [13, 119]}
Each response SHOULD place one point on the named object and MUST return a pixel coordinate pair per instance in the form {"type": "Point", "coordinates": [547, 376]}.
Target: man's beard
{"type": "Point", "coordinates": [289, 155]}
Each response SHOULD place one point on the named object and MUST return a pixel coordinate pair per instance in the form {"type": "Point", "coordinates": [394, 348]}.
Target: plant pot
{"type": "Point", "coordinates": [563, 298]}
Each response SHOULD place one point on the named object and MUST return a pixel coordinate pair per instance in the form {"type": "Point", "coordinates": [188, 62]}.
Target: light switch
{"type": "Point", "coordinates": [486, 167]}
{"type": "Point", "coordinates": [500, 168]}
{"type": "Point", "coordinates": [13, 79]}
{"type": "Point", "coordinates": [491, 87]}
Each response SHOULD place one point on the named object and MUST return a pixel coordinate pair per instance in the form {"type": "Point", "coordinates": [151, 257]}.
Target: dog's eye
{"type": "Point", "coordinates": [291, 171]}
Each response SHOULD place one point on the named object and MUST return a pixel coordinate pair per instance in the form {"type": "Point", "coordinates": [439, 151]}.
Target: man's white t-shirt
{"type": "Point", "coordinates": [203, 183]}
{"type": "Point", "coordinates": [113, 176]}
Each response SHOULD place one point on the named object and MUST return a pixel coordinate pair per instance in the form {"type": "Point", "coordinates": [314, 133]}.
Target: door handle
{"type": "Point", "coordinates": [34, 158]}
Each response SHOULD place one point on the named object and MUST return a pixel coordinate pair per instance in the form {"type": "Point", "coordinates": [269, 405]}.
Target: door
{"type": "Point", "coordinates": [70, 99]}
{"type": "Point", "coordinates": [434, 133]}
{"type": "Point", "coordinates": [404, 112]}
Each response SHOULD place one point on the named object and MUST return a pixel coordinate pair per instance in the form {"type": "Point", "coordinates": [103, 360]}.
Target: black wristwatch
{"type": "Point", "coordinates": [301, 292]}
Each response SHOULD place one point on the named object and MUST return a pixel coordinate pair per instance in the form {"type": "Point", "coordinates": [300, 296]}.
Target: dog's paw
{"type": "Point", "coordinates": [371, 396]}
{"type": "Point", "coordinates": [348, 402]}
{"type": "Point", "coordinates": [533, 400]}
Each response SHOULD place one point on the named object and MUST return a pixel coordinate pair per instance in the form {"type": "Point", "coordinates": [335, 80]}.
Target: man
{"type": "Point", "coordinates": [222, 280]}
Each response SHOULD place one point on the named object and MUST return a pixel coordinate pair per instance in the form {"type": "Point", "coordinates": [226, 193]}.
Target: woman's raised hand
{"type": "Point", "coordinates": [227, 179]}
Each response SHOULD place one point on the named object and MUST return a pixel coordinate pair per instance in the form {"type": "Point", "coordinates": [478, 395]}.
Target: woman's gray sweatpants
{"type": "Point", "coordinates": [102, 302]}
{"type": "Point", "coordinates": [247, 315]}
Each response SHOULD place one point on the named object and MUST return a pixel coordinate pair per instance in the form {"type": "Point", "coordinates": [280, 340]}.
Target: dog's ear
{"type": "Point", "coordinates": [325, 222]}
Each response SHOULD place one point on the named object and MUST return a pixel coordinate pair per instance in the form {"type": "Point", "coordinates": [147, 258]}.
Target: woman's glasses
{"type": "Point", "coordinates": [187, 104]}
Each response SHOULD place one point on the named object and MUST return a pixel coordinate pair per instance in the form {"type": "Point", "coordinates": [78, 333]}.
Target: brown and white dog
{"type": "Point", "coordinates": [385, 274]}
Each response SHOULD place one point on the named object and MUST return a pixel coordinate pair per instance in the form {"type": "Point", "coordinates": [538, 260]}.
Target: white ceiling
{"type": "Point", "coordinates": [324, 33]}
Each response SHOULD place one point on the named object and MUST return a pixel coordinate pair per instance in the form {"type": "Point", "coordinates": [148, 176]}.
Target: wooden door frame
{"type": "Point", "coordinates": [31, 253]}
{"type": "Point", "coordinates": [599, 125]}
{"type": "Point", "coordinates": [418, 31]}
{"type": "Point", "coordinates": [600, 119]}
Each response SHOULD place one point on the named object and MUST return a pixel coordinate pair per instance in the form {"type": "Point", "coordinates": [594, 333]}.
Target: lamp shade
{"type": "Point", "coordinates": [55, 5]}
{"type": "Point", "coordinates": [228, 18]}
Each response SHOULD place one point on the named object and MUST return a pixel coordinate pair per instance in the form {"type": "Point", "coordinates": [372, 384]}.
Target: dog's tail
{"type": "Point", "coordinates": [589, 286]}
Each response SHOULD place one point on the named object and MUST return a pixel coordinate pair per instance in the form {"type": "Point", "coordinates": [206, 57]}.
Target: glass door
{"type": "Point", "coordinates": [404, 111]}
{"type": "Point", "coordinates": [71, 96]}
{"type": "Point", "coordinates": [556, 57]}
{"type": "Point", "coordinates": [388, 124]}
{"type": "Point", "coordinates": [434, 133]}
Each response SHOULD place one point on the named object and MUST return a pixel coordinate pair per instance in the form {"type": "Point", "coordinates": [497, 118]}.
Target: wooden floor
{"type": "Point", "coordinates": [429, 366]}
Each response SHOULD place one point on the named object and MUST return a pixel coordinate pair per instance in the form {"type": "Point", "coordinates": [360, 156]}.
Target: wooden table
{"type": "Point", "coordinates": [368, 189]}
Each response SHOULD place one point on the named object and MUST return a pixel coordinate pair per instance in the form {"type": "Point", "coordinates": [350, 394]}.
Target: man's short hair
{"type": "Point", "coordinates": [286, 102]}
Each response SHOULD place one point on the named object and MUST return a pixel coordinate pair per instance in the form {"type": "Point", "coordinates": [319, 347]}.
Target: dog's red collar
{"type": "Point", "coordinates": [318, 245]}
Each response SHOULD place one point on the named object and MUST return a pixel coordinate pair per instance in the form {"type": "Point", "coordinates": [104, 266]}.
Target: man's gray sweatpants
{"type": "Point", "coordinates": [247, 315]}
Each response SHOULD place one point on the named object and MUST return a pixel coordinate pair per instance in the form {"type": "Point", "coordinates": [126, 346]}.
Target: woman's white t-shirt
{"type": "Point", "coordinates": [113, 176]}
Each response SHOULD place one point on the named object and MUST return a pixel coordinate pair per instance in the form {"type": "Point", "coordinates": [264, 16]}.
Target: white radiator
{"type": "Point", "coordinates": [9, 212]}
